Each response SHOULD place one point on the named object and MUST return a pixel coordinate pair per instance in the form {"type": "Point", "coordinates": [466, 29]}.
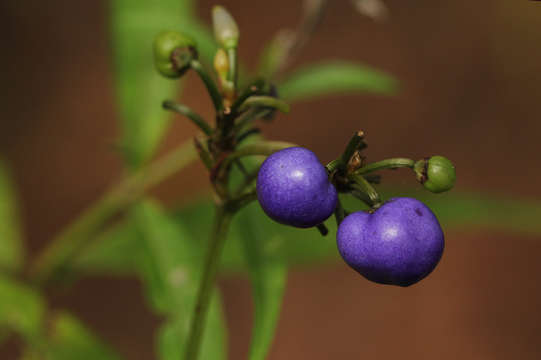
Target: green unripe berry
{"type": "Point", "coordinates": [437, 173]}
{"type": "Point", "coordinates": [173, 52]}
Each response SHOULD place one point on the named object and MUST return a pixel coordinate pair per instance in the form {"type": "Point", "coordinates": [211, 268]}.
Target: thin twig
{"type": "Point", "coordinates": [313, 13]}
{"type": "Point", "coordinates": [76, 235]}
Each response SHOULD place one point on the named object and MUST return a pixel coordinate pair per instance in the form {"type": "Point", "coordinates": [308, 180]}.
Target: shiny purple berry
{"type": "Point", "coordinates": [293, 188]}
{"type": "Point", "coordinates": [399, 244]}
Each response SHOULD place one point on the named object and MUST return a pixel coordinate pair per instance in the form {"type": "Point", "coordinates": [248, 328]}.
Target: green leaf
{"type": "Point", "coordinates": [335, 77]}
{"type": "Point", "coordinates": [140, 90]}
{"type": "Point", "coordinates": [21, 308]}
{"type": "Point", "coordinates": [306, 246]}
{"type": "Point", "coordinates": [268, 274]}
{"type": "Point", "coordinates": [170, 265]}
{"type": "Point", "coordinates": [11, 243]}
{"type": "Point", "coordinates": [474, 210]}
{"type": "Point", "coordinates": [70, 339]}
{"type": "Point", "coordinates": [115, 251]}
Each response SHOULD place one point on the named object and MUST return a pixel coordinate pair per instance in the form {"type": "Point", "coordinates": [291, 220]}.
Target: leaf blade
{"type": "Point", "coordinates": [171, 269]}
{"type": "Point", "coordinates": [335, 77]}
{"type": "Point", "coordinates": [70, 339]}
{"type": "Point", "coordinates": [139, 89]}
{"type": "Point", "coordinates": [306, 246]}
{"type": "Point", "coordinates": [268, 275]}
{"type": "Point", "coordinates": [21, 308]}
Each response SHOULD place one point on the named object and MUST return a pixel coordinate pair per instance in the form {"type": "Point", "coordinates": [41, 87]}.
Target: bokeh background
{"type": "Point", "coordinates": [470, 75]}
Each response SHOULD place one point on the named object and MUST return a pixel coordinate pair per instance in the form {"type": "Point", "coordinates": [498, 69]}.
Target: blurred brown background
{"type": "Point", "coordinates": [470, 73]}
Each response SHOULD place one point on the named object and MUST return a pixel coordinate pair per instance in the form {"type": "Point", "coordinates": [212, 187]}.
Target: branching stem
{"type": "Point", "coordinates": [57, 254]}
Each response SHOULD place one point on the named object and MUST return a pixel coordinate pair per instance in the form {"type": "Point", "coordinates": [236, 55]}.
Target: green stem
{"type": "Point", "coordinates": [333, 165]}
{"type": "Point", "coordinates": [393, 163]}
{"type": "Point", "coordinates": [323, 230]}
{"type": "Point", "coordinates": [54, 257]}
{"type": "Point", "coordinates": [365, 187]}
{"type": "Point", "coordinates": [203, 151]}
{"type": "Point", "coordinates": [210, 85]}
{"type": "Point", "coordinates": [255, 88]}
{"type": "Point", "coordinates": [249, 116]}
{"type": "Point", "coordinates": [248, 180]}
{"type": "Point", "coordinates": [264, 148]}
{"type": "Point", "coordinates": [355, 143]}
{"type": "Point", "coordinates": [339, 212]}
{"type": "Point", "coordinates": [249, 132]}
{"type": "Point", "coordinates": [265, 101]}
{"type": "Point", "coordinates": [313, 13]}
{"type": "Point", "coordinates": [243, 199]}
{"type": "Point", "coordinates": [222, 219]}
{"type": "Point", "coordinates": [189, 113]}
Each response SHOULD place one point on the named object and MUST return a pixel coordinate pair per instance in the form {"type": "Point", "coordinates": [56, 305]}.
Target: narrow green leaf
{"type": "Point", "coordinates": [474, 210]}
{"type": "Point", "coordinates": [335, 77]}
{"type": "Point", "coordinates": [140, 90]}
{"type": "Point", "coordinates": [305, 246]}
{"type": "Point", "coordinates": [115, 252]}
{"type": "Point", "coordinates": [21, 308]}
{"type": "Point", "coordinates": [171, 266]}
{"type": "Point", "coordinates": [70, 339]}
{"type": "Point", "coordinates": [268, 276]}
{"type": "Point", "coordinates": [11, 243]}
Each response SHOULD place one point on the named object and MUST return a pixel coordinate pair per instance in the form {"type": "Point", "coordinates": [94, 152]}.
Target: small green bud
{"type": "Point", "coordinates": [437, 173]}
{"type": "Point", "coordinates": [173, 52]}
{"type": "Point", "coordinates": [226, 31]}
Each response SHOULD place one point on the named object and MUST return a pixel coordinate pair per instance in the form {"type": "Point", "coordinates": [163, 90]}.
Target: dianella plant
{"type": "Point", "coordinates": [273, 203]}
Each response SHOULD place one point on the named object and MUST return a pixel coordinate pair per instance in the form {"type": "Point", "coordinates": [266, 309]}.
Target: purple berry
{"type": "Point", "coordinates": [293, 188]}
{"type": "Point", "coordinates": [399, 244]}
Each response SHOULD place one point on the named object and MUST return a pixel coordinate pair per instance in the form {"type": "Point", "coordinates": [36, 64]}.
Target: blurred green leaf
{"type": "Point", "coordinates": [11, 243]}
{"type": "Point", "coordinates": [21, 308]}
{"type": "Point", "coordinates": [268, 274]}
{"type": "Point", "coordinates": [304, 246]}
{"type": "Point", "coordinates": [335, 77]}
{"type": "Point", "coordinates": [172, 334]}
{"type": "Point", "coordinates": [70, 339]}
{"type": "Point", "coordinates": [474, 210]}
{"type": "Point", "coordinates": [115, 251]}
{"type": "Point", "coordinates": [171, 269]}
{"type": "Point", "coordinates": [139, 89]}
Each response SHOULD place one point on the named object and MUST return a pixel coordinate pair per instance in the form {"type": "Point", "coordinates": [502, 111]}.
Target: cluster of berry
{"type": "Point", "coordinates": [398, 242]}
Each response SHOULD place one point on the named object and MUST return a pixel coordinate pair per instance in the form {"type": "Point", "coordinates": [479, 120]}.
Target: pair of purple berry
{"type": "Point", "coordinates": [399, 243]}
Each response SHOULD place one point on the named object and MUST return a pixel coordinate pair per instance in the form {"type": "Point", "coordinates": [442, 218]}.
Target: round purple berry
{"type": "Point", "coordinates": [400, 243]}
{"type": "Point", "coordinates": [293, 188]}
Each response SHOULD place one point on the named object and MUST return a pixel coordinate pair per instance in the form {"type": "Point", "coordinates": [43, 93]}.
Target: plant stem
{"type": "Point", "coordinates": [323, 230]}
{"type": "Point", "coordinates": [393, 163]}
{"type": "Point", "coordinates": [218, 235]}
{"type": "Point", "coordinates": [55, 256]}
{"type": "Point", "coordinates": [222, 219]}
{"type": "Point", "coordinates": [190, 114]}
{"type": "Point", "coordinates": [264, 148]}
{"type": "Point", "coordinates": [365, 187]}
{"type": "Point", "coordinates": [313, 13]}
{"type": "Point", "coordinates": [265, 101]}
{"type": "Point", "coordinates": [339, 212]}
{"type": "Point", "coordinates": [210, 85]}
{"type": "Point", "coordinates": [355, 143]}
{"type": "Point", "coordinates": [333, 165]}
{"type": "Point", "coordinates": [258, 87]}
{"type": "Point", "coordinates": [248, 116]}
